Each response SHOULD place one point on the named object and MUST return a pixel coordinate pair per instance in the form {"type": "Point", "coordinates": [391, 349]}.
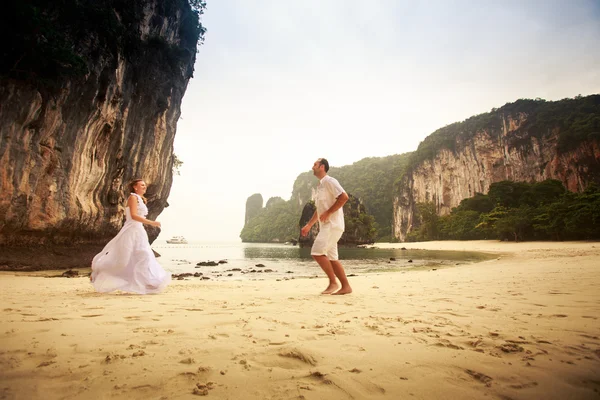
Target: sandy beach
{"type": "Point", "coordinates": [524, 325]}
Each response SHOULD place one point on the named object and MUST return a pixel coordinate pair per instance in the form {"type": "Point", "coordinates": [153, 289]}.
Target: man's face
{"type": "Point", "coordinates": [316, 167]}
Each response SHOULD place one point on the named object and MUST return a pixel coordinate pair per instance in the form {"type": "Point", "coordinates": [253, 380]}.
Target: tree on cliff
{"type": "Point", "coordinates": [43, 42]}
{"type": "Point", "coordinates": [509, 223]}
{"type": "Point", "coordinates": [359, 225]}
{"type": "Point", "coordinates": [429, 221]}
{"type": "Point", "coordinates": [516, 211]}
{"type": "Point", "coordinates": [572, 216]}
{"type": "Point", "coordinates": [277, 222]}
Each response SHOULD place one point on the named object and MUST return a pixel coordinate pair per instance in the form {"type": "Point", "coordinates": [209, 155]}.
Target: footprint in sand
{"type": "Point", "coordinates": [46, 363]}
{"type": "Point", "coordinates": [448, 344]}
{"type": "Point", "coordinates": [112, 358]}
{"type": "Point", "coordinates": [483, 378]}
{"type": "Point", "coordinates": [9, 363]}
{"type": "Point", "coordinates": [202, 389]}
{"type": "Point", "coordinates": [510, 348]}
{"type": "Point", "coordinates": [188, 375]}
{"type": "Point", "coordinates": [524, 385]}
{"type": "Point", "coordinates": [276, 343]}
{"type": "Point", "coordinates": [589, 336]}
{"type": "Point", "coordinates": [300, 355]}
{"type": "Point", "coordinates": [320, 377]}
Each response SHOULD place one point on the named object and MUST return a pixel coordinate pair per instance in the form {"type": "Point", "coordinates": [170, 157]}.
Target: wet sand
{"type": "Point", "coordinates": [521, 326]}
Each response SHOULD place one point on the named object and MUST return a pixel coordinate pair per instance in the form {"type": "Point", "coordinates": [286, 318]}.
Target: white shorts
{"type": "Point", "coordinates": [326, 242]}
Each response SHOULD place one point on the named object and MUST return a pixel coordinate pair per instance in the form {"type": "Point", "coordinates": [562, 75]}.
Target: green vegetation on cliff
{"type": "Point", "coordinates": [359, 225]}
{"type": "Point", "coordinates": [577, 120]}
{"type": "Point", "coordinates": [516, 211]}
{"type": "Point", "coordinates": [44, 41]}
{"type": "Point", "coordinates": [276, 222]}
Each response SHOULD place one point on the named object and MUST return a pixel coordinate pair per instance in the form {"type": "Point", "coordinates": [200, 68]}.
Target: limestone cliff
{"type": "Point", "coordinates": [70, 141]}
{"type": "Point", "coordinates": [254, 205]}
{"type": "Point", "coordinates": [529, 140]}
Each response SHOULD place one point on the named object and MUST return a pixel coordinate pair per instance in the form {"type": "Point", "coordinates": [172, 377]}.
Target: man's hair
{"type": "Point", "coordinates": [325, 163]}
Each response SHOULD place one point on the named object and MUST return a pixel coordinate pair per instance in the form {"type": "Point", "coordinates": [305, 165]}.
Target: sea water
{"type": "Point", "coordinates": [243, 261]}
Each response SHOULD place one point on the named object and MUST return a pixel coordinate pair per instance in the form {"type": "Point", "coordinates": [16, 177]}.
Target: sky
{"type": "Point", "coordinates": [280, 83]}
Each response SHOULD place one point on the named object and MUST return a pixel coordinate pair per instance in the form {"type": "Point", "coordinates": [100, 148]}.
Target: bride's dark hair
{"type": "Point", "coordinates": [131, 188]}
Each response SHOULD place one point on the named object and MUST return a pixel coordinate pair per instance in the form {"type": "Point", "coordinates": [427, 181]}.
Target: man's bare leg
{"type": "Point", "coordinates": [326, 266]}
{"type": "Point", "coordinates": [338, 270]}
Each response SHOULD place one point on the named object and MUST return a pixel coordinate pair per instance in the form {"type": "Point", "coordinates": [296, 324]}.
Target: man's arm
{"type": "Point", "coordinates": [306, 228]}
{"type": "Point", "coordinates": [339, 203]}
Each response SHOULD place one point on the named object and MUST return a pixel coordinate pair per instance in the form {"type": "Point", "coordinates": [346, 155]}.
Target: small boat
{"type": "Point", "coordinates": [177, 240]}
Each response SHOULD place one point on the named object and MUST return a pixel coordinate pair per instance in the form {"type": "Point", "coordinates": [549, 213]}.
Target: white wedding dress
{"type": "Point", "coordinates": [127, 262]}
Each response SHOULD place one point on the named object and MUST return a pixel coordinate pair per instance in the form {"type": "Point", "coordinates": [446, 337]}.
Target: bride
{"type": "Point", "coordinates": [127, 262]}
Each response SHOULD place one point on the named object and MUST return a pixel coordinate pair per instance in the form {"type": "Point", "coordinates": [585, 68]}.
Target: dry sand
{"type": "Point", "coordinates": [524, 325]}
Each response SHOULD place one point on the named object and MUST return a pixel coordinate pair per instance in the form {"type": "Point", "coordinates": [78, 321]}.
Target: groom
{"type": "Point", "coordinates": [331, 197]}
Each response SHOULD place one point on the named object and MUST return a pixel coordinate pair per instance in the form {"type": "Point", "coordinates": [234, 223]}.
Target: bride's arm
{"type": "Point", "coordinates": [132, 204]}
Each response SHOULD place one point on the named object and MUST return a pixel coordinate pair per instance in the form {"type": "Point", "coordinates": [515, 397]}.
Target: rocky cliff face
{"type": "Point", "coordinates": [510, 150]}
{"type": "Point", "coordinates": [68, 152]}
{"type": "Point", "coordinates": [254, 205]}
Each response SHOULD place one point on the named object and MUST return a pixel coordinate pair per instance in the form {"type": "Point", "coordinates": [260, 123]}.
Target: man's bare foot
{"type": "Point", "coordinates": [330, 289]}
{"type": "Point", "coordinates": [344, 290]}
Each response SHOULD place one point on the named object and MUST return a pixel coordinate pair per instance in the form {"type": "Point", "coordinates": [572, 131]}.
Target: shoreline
{"type": "Point", "coordinates": [522, 325]}
{"type": "Point", "coordinates": [62, 258]}
{"type": "Point", "coordinates": [379, 258]}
